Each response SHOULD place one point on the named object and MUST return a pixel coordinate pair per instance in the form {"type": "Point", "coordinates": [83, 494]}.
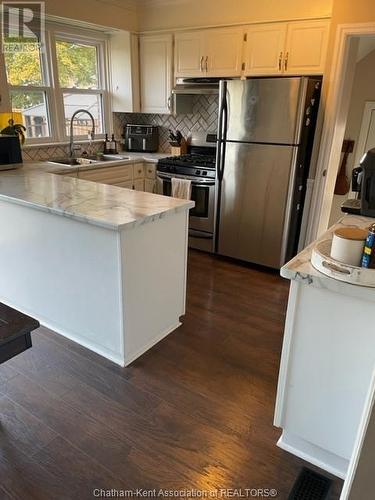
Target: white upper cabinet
{"type": "Point", "coordinates": [264, 49]}
{"type": "Point", "coordinates": [223, 52]}
{"type": "Point", "coordinates": [155, 56]}
{"type": "Point", "coordinates": [216, 52]}
{"type": "Point", "coordinates": [189, 58]}
{"type": "Point", "coordinates": [306, 47]}
{"type": "Point", "coordinates": [123, 50]}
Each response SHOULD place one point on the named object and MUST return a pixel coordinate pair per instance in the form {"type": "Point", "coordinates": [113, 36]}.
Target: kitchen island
{"type": "Point", "coordinates": [102, 265]}
{"type": "Point", "coordinates": [327, 363]}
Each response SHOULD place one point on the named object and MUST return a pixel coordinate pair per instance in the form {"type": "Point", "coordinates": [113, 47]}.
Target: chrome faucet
{"type": "Point", "coordinates": [91, 133]}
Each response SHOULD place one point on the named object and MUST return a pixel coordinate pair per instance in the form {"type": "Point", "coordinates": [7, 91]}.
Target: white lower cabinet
{"type": "Point", "coordinates": [139, 184]}
{"type": "Point", "coordinates": [138, 176]}
{"type": "Point", "coordinates": [149, 185]}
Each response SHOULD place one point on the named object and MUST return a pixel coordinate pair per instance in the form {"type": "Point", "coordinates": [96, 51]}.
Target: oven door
{"type": "Point", "coordinates": [202, 216]}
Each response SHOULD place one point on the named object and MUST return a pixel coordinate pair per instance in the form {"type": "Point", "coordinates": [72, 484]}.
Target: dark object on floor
{"type": "Point", "coordinates": [15, 332]}
{"type": "Point", "coordinates": [310, 486]}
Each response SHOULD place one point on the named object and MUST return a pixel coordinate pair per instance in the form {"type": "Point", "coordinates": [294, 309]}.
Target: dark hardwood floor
{"type": "Point", "coordinates": [195, 412]}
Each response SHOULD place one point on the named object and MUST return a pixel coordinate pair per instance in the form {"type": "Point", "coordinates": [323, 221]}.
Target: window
{"type": "Point", "coordinates": [49, 89]}
{"type": "Point", "coordinates": [27, 86]}
{"type": "Point", "coordinates": [80, 82]}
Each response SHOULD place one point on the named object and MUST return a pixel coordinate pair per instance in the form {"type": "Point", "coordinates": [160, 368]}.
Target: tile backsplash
{"type": "Point", "coordinates": [43, 153]}
{"type": "Point", "coordinates": [204, 117]}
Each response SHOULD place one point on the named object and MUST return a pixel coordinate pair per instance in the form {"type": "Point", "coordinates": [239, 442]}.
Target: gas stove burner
{"type": "Point", "coordinates": [191, 160]}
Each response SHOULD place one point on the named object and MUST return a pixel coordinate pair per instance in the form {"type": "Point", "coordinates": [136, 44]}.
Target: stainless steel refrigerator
{"type": "Point", "coordinates": [265, 138]}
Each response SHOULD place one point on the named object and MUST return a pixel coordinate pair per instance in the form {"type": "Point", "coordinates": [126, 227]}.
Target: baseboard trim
{"type": "Point", "coordinates": [317, 456]}
{"type": "Point", "coordinates": [132, 357]}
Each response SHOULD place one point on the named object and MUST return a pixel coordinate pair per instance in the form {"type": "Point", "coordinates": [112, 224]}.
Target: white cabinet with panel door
{"type": "Point", "coordinates": [306, 47]}
{"type": "Point", "coordinates": [150, 176]}
{"type": "Point", "coordinates": [189, 53]}
{"type": "Point", "coordinates": [149, 186]}
{"type": "Point", "coordinates": [264, 49]}
{"type": "Point", "coordinates": [223, 52]}
{"type": "Point", "coordinates": [295, 48]}
{"type": "Point", "coordinates": [155, 56]}
{"type": "Point", "coordinates": [213, 52]}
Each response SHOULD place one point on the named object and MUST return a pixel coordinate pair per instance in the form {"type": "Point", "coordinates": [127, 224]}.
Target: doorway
{"type": "Point", "coordinates": [344, 116]}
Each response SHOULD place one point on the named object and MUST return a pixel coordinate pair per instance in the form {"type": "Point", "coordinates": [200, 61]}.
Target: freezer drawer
{"type": "Point", "coordinates": [265, 110]}
{"type": "Point", "coordinates": [255, 202]}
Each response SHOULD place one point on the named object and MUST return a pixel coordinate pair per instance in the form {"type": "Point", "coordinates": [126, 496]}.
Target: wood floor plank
{"type": "Point", "coordinates": [196, 411]}
{"type": "Point", "coordinates": [79, 474]}
{"type": "Point", "coordinates": [20, 428]}
{"type": "Point", "coordinates": [23, 478]}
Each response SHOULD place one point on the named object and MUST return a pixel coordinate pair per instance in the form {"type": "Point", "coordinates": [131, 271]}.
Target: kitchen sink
{"type": "Point", "coordinates": [87, 160]}
{"type": "Point", "coordinates": [73, 162]}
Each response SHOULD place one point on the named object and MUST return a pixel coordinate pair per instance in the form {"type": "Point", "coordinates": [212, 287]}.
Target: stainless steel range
{"type": "Point", "coordinates": [199, 165]}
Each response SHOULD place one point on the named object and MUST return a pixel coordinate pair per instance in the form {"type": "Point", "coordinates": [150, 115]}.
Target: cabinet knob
{"type": "Point", "coordinates": [280, 60]}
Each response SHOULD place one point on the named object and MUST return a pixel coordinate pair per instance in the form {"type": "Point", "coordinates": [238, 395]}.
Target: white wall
{"type": "Point", "coordinates": [169, 14]}
{"type": "Point", "coordinates": [363, 90]}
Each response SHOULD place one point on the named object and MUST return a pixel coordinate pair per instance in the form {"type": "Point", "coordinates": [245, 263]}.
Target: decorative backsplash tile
{"type": "Point", "coordinates": [204, 117]}
{"type": "Point", "coordinates": [43, 153]}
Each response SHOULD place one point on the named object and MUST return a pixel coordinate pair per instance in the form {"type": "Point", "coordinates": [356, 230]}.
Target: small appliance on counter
{"type": "Point", "coordinates": [363, 183]}
{"type": "Point", "coordinates": [10, 151]}
{"type": "Point", "coordinates": [139, 138]}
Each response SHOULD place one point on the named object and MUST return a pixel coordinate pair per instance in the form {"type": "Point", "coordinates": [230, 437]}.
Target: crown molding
{"type": "Point", "coordinates": [145, 3]}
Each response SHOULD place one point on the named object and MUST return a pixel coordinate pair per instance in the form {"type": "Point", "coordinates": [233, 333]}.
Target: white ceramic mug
{"type": "Point", "coordinates": [347, 245]}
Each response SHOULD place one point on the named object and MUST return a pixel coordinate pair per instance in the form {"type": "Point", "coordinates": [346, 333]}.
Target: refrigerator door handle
{"type": "Point", "coordinates": [223, 125]}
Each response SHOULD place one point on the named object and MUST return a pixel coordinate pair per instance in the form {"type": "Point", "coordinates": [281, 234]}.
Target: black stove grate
{"type": "Point", "coordinates": [310, 486]}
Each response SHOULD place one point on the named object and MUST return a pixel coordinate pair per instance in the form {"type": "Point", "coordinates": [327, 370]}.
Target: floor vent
{"type": "Point", "coordinates": [310, 486]}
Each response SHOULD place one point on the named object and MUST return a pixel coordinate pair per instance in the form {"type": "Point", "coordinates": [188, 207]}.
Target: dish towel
{"type": "Point", "coordinates": [181, 188]}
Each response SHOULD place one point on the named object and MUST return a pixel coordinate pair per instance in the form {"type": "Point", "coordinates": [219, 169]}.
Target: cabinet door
{"type": "Point", "coordinates": [306, 47]}
{"type": "Point", "coordinates": [264, 49]}
{"type": "Point", "coordinates": [189, 54]}
{"type": "Point", "coordinates": [149, 185]}
{"type": "Point", "coordinates": [139, 184]}
{"type": "Point", "coordinates": [155, 56]}
{"type": "Point", "coordinates": [150, 170]}
{"type": "Point", "coordinates": [223, 51]}
{"type": "Point", "coordinates": [139, 172]}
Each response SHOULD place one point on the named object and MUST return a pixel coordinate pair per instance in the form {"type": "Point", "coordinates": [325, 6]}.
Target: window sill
{"type": "Point", "coordinates": [62, 143]}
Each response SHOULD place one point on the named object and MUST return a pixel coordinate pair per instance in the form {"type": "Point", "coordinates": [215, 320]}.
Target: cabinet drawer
{"type": "Point", "coordinates": [108, 175]}
{"type": "Point", "coordinates": [139, 171]}
{"type": "Point", "coordinates": [127, 184]}
{"type": "Point", "coordinates": [150, 170]}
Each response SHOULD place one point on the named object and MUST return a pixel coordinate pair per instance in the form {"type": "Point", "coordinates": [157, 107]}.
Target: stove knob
{"type": "Point", "coordinates": [197, 172]}
{"type": "Point", "coordinates": [204, 172]}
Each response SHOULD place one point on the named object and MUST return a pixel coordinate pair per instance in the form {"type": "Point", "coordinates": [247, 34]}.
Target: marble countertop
{"type": "Point", "coordinates": [301, 269]}
{"type": "Point", "coordinates": [37, 185]}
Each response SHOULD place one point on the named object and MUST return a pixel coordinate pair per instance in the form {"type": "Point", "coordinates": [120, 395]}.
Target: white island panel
{"type": "Point", "coordinates": [154, 258]}
{"type": "Point", "coordinates": [65, 273]}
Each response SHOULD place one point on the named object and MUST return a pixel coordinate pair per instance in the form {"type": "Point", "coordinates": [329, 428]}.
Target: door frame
{"type": "Point", "coordinates": [339, 82]}
{"type": "Point", "coordinates": [363, 134]}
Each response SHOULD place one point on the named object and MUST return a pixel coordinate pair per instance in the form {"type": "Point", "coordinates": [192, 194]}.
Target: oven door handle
{"type": "Point", "coordinates": [193, 180]}
{"type": "Point", "coordinates": [194, 233]}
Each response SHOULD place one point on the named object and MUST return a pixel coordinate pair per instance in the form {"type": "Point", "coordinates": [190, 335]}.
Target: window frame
{"type": "Point", "coordinates": [51, 87]}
